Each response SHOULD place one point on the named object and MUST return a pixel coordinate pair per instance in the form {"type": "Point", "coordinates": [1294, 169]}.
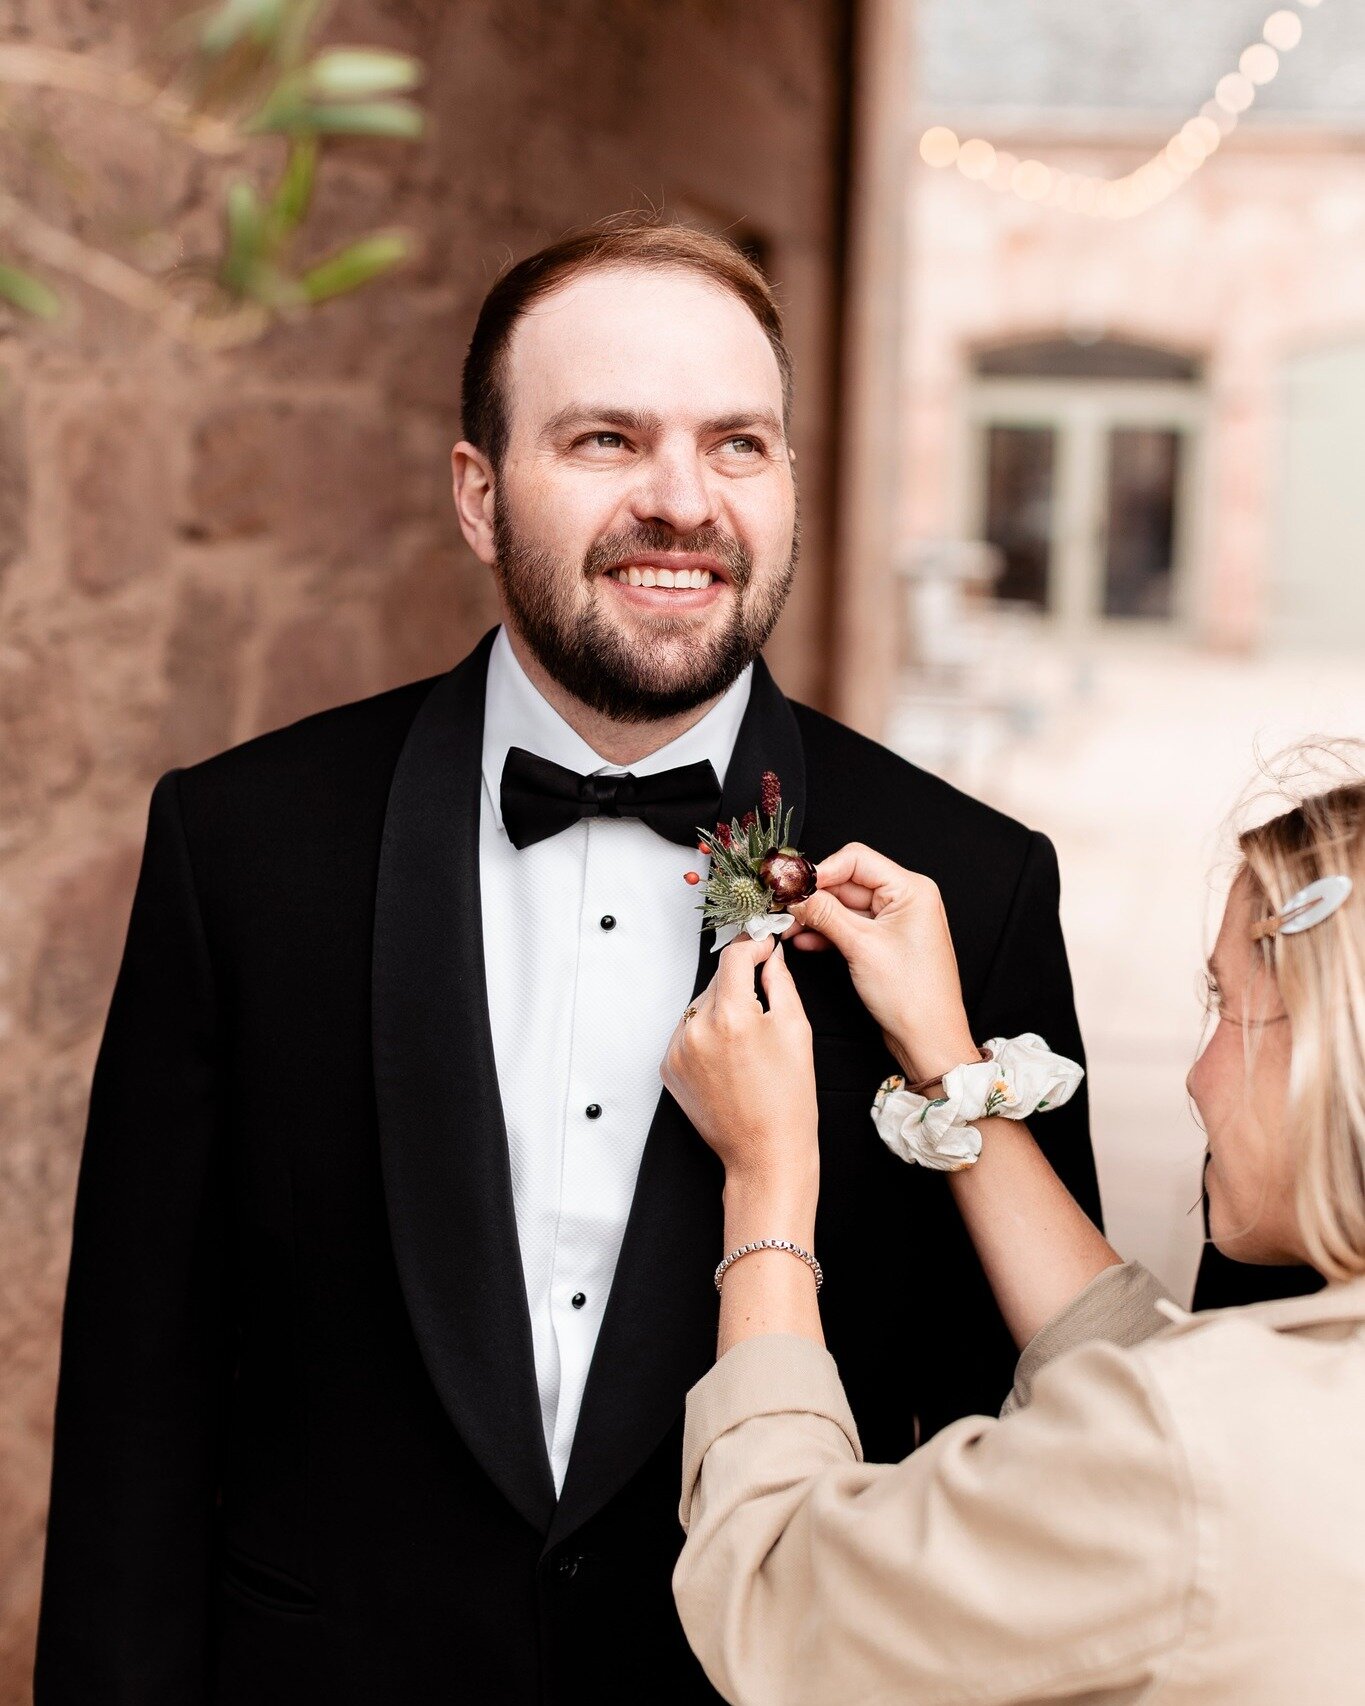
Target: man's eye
{"type": "Point", "coordinates": [602, 440]}
{"type": "Point", "coordinates": [744, 446]}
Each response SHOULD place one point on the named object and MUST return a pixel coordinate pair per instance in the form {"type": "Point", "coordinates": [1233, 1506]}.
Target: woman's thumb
{"type": "Point", "coordinates": [778, 983]}
{"type": "Point", "coordinates": [829, 916]}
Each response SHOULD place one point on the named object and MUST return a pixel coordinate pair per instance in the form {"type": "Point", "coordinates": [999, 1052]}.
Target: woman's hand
{"type": "Point", "coordinates": [746, 1078]}
{"type": "Point", "coordinates": [889, 924]}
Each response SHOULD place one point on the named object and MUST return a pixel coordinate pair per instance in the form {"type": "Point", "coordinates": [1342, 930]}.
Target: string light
{"type": "Point", "coordinates": [1259, 62]}
{"type": "Point", "coordinates": [1283, 30]}
{"type": "Point", "coordinates": [975, 159]}
{"type": "Point", "coordinates": [1156, 178]}
{"type": "Point", "coordinates": [938, 147]}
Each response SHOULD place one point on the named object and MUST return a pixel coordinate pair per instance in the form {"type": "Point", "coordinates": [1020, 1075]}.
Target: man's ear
{"type": "Point", "coordinates": [473, 484]}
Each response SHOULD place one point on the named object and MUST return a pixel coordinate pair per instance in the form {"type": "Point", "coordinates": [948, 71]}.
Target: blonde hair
{"type": "Point", "coordinates": [1320, 974]}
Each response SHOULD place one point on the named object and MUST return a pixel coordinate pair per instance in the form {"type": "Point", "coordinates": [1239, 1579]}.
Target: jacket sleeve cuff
{"type": "Point", "coordinates": [1119, 1305]}
{"type": "Point", "coordinates": [775, 1374]}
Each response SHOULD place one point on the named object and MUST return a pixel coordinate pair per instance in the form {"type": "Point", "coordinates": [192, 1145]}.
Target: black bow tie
{"type": "Point", "coordinates": [540, 798]}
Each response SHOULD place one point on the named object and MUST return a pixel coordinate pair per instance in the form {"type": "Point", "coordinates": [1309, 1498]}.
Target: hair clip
{"type": "Point", "coordinates": [1308, 907]}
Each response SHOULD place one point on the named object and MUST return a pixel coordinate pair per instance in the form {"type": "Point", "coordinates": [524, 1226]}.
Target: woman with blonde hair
{"type": "Point", "coordinates": [1171, 1507]}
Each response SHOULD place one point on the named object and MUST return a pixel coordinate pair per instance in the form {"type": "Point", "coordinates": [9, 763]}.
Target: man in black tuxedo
{"type": "Point", "coordinates": [337, 1422]}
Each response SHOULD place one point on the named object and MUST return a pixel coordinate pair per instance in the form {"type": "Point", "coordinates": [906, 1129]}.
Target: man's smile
{"type": "Point", "coordinates": [668, 580]}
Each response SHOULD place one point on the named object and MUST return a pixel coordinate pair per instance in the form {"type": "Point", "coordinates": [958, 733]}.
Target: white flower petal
{"type": "Point", "coordinates": [758, 928]}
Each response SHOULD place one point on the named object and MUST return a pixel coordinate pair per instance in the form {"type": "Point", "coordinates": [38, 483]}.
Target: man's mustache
{"type": "Point", "coordinates": [614, 548]}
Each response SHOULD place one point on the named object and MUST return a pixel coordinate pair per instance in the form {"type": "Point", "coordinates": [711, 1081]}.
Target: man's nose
{"type": "Point", "coordinates": [674, 489]}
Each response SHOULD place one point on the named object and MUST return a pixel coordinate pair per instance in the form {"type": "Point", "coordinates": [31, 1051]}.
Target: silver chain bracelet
{"type": "Point", "coordinates": [773, 1244]}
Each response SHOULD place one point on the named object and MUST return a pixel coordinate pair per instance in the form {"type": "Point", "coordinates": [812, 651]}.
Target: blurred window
{"type": "Point", "coordinates": [1140, 532]}
{"type": "Point", "coordinates": [1082, 471]}
{"type": "Point", "coordinates": [1019, 464]}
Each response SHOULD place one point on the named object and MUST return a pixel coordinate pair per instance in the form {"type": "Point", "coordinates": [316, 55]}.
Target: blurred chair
{"type": "Point", "coordinates": [968, 683]}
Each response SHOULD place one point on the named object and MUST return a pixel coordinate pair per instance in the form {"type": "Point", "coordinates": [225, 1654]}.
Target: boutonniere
{"type": "Point", "coordinates": [755, 872]}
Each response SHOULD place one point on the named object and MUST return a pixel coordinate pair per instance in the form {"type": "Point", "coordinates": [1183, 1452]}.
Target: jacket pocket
{"type": "Point", "coordinates": [264, 1585]}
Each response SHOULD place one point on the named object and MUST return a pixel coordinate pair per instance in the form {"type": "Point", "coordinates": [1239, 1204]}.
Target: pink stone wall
{"type": "Point", "coordinates": [193, 548]}
{"type": "Point", "coordinates": [1260, 255]}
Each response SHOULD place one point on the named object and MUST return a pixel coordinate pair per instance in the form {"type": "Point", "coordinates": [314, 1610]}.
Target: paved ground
{"type": "Point", "coordinates": [1131, 753]}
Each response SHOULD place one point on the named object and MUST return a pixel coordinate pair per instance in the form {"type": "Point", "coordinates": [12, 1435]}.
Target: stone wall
{"type": "Point", "coordinates": [195, 548]}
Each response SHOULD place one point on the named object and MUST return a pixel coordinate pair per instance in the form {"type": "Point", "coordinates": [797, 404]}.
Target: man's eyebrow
{"type": "Point", "coordinates": [764, 418]}
{"type": "Point", "coordinates": [643, 421]}
{"type": "Point", "coordinates": [608, 415]}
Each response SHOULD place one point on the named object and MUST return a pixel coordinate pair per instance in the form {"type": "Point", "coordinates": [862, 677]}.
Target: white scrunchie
{"type": "Point", "coordinates": [1021, 1078]}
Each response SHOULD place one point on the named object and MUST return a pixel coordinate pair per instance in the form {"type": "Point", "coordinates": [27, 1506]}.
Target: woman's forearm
{"type": "Point", "coordinates": [770, 1291]}
{"type": "Point", "coordinates": [1037, 1245]}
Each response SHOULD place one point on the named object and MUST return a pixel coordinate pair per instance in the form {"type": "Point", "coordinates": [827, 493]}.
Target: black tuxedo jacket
{"type": "Point", "coordinates": [298, 1451]}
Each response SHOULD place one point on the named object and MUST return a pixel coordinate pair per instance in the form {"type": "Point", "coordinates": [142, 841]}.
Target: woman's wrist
{"type": "Point", "coordinates": [922, 1057]}
{"type": "Point", "coordinates": [772, 1201]}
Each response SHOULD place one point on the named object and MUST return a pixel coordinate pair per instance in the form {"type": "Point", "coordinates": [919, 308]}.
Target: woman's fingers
{"type": "Point", "coordinates": [824, 913]}
{"type": "Point", "coordinates": [854, 896]}
{"type": "Point", "coordinates": [784, 999]}
{"type": "Point", "coordinates": [734, 979]}
{"type": "Point", "coordinates": [856, 863]}
{"type": "Point", "coordinates": [811, 941]}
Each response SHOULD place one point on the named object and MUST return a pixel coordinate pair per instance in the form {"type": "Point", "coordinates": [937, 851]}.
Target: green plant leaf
{"type": "Point", "coordinates": [244, 238]}
{"type": "Point", "coordinates": [29, 293]}
{"type": "Point", "coordinates": [354, 265]}
{"type": "Point", "coordinates": [340, 118]}
{"type": "Point", "coordinates": [241, 20]}
{"type": "Point", "coordinates": [294, 194]}
{"type": "Point", "coordinates": [357, 73]}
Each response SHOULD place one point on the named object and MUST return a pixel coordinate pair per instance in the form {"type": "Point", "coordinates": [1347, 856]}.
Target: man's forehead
{"type": "Point", "coordinates": [644, 339]}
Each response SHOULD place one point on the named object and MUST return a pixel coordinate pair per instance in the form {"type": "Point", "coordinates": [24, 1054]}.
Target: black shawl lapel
{"type": "Point", "coordinates": [658, 1336]}
{"type": "Point", "coordinates": [443, 1143]}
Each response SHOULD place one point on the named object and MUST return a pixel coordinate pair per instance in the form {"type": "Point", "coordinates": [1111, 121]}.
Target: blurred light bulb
{"type": "Point", "coordinates": [975, 158]}
{"type": "Point", "coordinates": [1031, 180]}
{"type": "Point", "coordinates": [1283, 30]}
{"type": "Point", "coordinates": [1201, 136]}
{"type": "Point", "coordinates": [1259, 63]}
{"type": "Point", "coordinates": [1088, 192]}
{"type": "Point", "coordinates": [1234, 93]}
{"type": "Point", "coordinates": [1002, 169]}
{"type": "Point", "coordinates": [1063, 191]}
{"type": "Point", "coordinates": [938, 146]}
{"type": "Point", "coordinates": [1180, 156]}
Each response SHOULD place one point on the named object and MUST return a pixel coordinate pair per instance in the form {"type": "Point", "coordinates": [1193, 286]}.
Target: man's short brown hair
{"type": "Point", "coordinates": [635, 240]}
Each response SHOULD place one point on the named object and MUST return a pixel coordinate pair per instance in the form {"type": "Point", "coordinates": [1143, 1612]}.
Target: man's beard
{"type": "Point", "coordinates": [588, 657]}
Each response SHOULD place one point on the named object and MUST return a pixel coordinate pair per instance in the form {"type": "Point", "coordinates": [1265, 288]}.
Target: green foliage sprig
{"type": "Point", "coordinates": [251, 71]}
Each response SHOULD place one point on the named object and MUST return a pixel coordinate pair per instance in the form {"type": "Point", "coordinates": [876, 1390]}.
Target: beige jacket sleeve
{"type": "Point", "coordinates": [1119, 1305]}
{"type": "Point", "coordinates": [1044, 1557]}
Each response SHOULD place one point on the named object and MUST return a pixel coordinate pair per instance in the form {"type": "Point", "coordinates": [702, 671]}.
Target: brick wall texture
{"type": "Point", "coordinates": [194, 548]}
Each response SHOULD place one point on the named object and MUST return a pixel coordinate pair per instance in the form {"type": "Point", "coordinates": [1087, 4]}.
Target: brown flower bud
{"type": "Point", "coordinates": [770, 792]}
{"type": "Point", "coordinates": [788, 875]}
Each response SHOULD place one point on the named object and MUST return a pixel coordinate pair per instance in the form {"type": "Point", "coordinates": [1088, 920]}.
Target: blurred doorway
{"type": "Point", "coordinates": [1317, 592]}
{"type": "Point", "coordinates": [1081, 470]}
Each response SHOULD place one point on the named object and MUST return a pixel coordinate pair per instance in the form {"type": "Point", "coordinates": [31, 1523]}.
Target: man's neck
{"type": "Point", "coordinates": [617, 742]}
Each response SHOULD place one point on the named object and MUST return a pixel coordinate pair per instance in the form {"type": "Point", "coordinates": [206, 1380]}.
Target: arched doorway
{"type": "Point", "coordinates": [1081, 469]}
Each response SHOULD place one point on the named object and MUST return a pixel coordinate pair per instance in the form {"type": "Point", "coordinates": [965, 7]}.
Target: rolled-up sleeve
{"type": "Point", "coordinates": [1119, 1305]}
{"type": "Point", "coordinates": [1005, 1561]}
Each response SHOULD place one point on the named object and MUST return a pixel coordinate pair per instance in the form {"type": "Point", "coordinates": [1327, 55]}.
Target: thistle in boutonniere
{"type": "Point", "coordinates": [755, 871]}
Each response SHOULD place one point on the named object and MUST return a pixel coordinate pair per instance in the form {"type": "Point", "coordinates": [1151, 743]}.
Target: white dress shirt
{"type": "Point", "coordinates": [590, 948]}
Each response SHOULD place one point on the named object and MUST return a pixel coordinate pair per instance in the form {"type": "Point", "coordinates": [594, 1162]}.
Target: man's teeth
{"type": "Point", "coordinates": [633, 576]}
